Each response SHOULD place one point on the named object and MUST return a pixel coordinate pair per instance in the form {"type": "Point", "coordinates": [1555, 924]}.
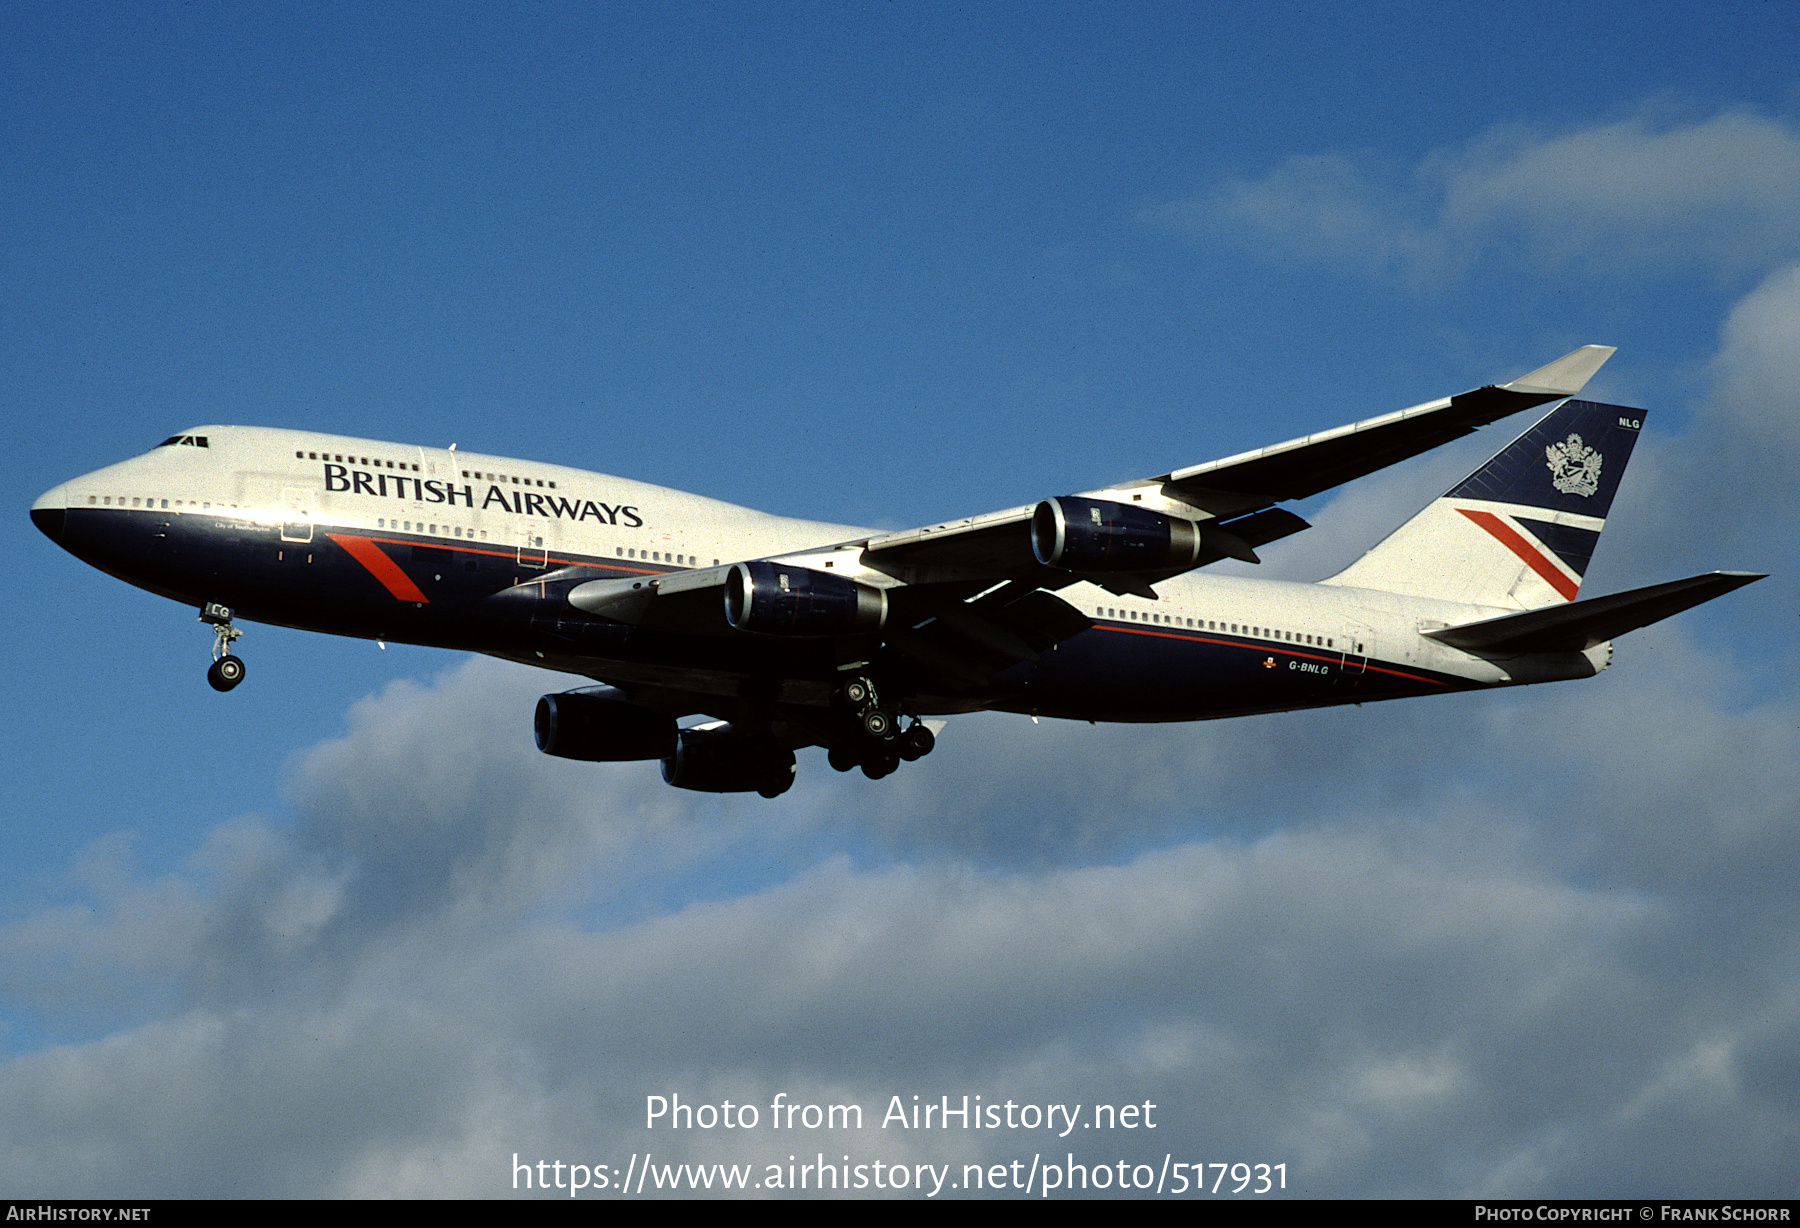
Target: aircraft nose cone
{"type": "Point", "coordinates": [50, 520]}
{"type": "Point", "coordinates": [48, 512]}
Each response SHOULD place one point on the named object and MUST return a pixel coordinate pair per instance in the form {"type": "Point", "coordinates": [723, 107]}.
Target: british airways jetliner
{"type": "Point", "coordinates": [792, 633]}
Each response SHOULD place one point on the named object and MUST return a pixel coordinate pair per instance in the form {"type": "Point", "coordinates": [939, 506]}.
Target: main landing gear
{"type": "Point", "coordinates": [872, 738]}
{"type": "Point", "coordinates": [226, 670]}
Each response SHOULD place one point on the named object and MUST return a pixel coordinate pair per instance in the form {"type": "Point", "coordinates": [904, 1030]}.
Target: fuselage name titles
{"type": "Point", "coordinates": [342, 479]}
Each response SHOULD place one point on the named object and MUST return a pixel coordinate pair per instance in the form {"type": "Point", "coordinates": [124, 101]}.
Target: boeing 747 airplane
{"type": "Point", "coordinates": [791, 633]}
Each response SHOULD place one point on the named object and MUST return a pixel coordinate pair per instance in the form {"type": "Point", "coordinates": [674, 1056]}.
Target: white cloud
{"type": "Point", "coordinates": [1320, 206]}
{"type": "Point", "coordinates": [1721, 494]}
{"type": "Point", "coordinates": [1636, 196]}
{"type": "Point", "coordinates": [1758, 374]}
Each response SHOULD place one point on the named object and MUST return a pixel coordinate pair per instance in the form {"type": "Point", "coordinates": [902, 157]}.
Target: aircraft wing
{"type": "Point", "coordinates": [966, 598]}
{"type": "Point", "coordinates": [1235, 492]}
{"type": "Point", "coordinates": [1314, 463]}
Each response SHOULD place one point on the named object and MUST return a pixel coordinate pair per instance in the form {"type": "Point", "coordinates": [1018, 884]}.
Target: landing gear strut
{"type": "Point", "coordinates": [226, 670]}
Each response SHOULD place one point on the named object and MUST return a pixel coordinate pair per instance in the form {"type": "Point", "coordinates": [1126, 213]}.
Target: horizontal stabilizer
{"type": "Point", "coordinates": [1580, 625]}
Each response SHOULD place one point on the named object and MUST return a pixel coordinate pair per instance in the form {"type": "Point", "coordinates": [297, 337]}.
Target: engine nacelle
{"type": "Point", "coordinates": [598, 725]}
{"type": "Point", "coordinates": [724, 761]}
{"type": "Point", "coordinates": [781, 599]}
{"type": "Point", "coordinates": [1079, 534]}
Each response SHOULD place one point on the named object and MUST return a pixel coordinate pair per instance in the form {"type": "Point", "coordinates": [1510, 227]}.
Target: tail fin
{"type": "Point", "coordinates": [1519, 531]}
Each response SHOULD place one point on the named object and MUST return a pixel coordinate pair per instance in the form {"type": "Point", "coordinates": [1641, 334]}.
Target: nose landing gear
{"type": "Point", "coordinates": [226, 670]}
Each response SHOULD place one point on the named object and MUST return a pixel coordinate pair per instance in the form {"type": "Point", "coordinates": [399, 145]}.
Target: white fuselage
{"type": "Point", "coordinates": [301, 490]}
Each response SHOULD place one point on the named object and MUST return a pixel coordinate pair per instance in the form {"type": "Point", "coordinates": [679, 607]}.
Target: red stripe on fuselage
{"type": "Point", "coordinates": [380, 566]}
{"type": "Point", "coordinates": [1534, 558]}
{"type": "Point", "coordinates": [1267, 649]}
{"type": "Point", "coordinates": [598, 562]}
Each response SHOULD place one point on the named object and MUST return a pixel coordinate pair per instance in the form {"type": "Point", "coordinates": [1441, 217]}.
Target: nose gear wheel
{"type": "Point", "coordinates": [225, 673]}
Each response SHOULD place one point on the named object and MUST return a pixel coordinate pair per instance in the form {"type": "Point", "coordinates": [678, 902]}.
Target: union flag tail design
{"type": "Point", "coordinates": [1519, 531]}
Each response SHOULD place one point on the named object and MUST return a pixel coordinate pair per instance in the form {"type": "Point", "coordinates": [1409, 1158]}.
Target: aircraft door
{"type": "Point", "coordinates": [439, 464]}
{"type": "Point", "coordinates": [534, 550]}
{"type": "Point", "coordinates": [296, 515]}
{"type": "Point", "coordinates": [1358, 647]}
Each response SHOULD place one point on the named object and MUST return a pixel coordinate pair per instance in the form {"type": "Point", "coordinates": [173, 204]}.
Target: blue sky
{"type": "Point", "coordinates": [884, 266]}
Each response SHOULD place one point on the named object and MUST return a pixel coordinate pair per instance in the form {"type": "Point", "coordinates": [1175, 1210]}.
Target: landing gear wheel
{"type": "Point", "coordinates": [880, 763]}
{"type": "Point", "coordinates": [841, 758]}
{"type": "Point", "coordinates": [877, 724]}
{"type": "Point", "coordinates": [225, 673]}
{"type": "Point", "coordinates": [916, 743]}
{"type": "Point", "coordinates": [780, 775]}
{"type": "Point", "coordinates": [856, 692]}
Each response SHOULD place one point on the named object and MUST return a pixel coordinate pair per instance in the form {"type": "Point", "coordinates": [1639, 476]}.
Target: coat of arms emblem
{"type": "Point", "coordinates": [1574, 468]}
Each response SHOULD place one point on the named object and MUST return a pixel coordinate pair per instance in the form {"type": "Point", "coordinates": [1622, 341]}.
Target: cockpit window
{"type": "Point", "coordinates": [171, 439]}
{"type": "Point", "coordinates": [192, 441]}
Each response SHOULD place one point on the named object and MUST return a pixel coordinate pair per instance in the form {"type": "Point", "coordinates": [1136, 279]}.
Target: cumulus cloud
{"type": "Point", "coordinates": [1720, 493]}
{"type": "Point", "coordinates": [1714, 195]}
{"type": "Point", "coordinates": [1757, 397]}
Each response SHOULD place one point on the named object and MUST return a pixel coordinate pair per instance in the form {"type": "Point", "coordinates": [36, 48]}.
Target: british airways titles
{"type": "Point", "coordinates": [342, 479]}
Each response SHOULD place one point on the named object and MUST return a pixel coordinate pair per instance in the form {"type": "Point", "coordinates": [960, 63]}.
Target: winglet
{"type": "Point", "coordinates": [1567, 375]}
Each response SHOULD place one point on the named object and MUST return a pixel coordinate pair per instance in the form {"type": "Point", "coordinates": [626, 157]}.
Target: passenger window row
{"type": "Point", "coordinates": [108, 501]}
{"type": "Point", "coordinates": [420, 526]}
{"type": "Point", "coordinates": [501, 477]}
{"type": "Point", "coordinates": [377, 463]}
{"type": "Point", "coordinates": [1230, 628]}
{"type": "Point", "coordinates": [661, 556]}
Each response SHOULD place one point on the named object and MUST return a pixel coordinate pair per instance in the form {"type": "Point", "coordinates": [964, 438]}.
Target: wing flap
{"type": "Point", "coordinates": [966, 642]}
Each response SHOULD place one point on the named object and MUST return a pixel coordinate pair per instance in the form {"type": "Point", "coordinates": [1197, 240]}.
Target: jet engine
{"type": "Point", "coordinates": [1079, 534]}
{"type": "Point", "coordinates": [724, 761]}
{"type": "Point", "coordinates": [781, 599]}
{"type": "Point", "coordinates": [598, 724]}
